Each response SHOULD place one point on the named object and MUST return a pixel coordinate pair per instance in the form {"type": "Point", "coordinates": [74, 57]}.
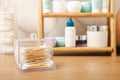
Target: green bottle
{"type": "Point", "coordinates": [47, 6]}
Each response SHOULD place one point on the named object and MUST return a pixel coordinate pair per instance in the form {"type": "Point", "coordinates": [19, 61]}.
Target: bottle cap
{"type": "Point", "coordinates": [70, 23]}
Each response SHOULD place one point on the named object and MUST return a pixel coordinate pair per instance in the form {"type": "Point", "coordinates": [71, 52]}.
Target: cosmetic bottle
{"type": "Point", "coordinates": [47, 6]}
{"type": "Point", "coordinates": [70, 34]}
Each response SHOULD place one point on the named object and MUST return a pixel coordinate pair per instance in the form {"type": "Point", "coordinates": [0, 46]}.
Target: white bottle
{"type": "Point", "coordinates": [70, 34]}
{"type": "Point", "coordinates": [59, 6]}
{"type": "Point", "coordinates": [73, 6]}
{"type": "Point", "coordinates": [47, 6]}
{"type": "Point", "coordinates": [105, 6]}
{"type": "Point", "coordinates": [96, 6]}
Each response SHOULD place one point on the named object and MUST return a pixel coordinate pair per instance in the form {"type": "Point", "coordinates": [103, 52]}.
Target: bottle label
{"type": "Point", "coordinates": [70, 34]}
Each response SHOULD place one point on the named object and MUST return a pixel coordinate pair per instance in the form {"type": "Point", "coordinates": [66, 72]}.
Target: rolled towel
{"type": "Point", "coordinates": [7, 34]}
{"type": "Point", "coordinates": [7, 41]}
{"type": "Point", "coordinates": [5, 49]}
{"type": "Point", "coordinates": [6, 25]}
{"type": "Point", "coordinates": [7, 15]}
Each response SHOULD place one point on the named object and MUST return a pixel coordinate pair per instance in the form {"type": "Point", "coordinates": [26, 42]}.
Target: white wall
{"type": "Point", "coordinates": [26, 16]}
{"type": "Point", "coordinates": [27, 19]}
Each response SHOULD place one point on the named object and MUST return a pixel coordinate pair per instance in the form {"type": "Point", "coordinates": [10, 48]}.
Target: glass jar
{"type": "Point", "coordinates": [34, 55]}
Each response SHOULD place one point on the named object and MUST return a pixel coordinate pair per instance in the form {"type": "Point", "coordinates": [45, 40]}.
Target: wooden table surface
{"type": "Point", "coordinates": [68, 68]}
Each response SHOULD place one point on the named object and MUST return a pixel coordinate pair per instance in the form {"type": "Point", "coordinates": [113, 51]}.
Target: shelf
{"type": "Point", "coordinates": [76, 15]}
{"type": "Point", "coordinates": [82, 49]}
{"type": "Point", "coordinates": [110, 20]}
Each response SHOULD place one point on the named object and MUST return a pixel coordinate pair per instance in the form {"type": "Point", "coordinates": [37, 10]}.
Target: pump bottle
{"type": "Point", "coordinates": [70, 34]}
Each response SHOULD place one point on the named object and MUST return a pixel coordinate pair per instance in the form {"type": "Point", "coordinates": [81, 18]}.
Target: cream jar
{"type": "Point", "coordinates": [86, 7]}
{"type": "Point", "coordinates": [73, 6]}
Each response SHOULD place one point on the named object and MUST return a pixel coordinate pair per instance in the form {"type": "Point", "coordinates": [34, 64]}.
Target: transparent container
{"type": "Point", "coordinates": [33, 55]}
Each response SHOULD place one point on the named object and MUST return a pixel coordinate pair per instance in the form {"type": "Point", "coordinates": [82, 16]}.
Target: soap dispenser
{"type": "Point", "coordinates": [70, 33]}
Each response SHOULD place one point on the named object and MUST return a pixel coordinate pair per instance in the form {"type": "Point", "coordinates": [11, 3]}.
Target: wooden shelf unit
{"type": "Point", "coordinates": [110, 16]}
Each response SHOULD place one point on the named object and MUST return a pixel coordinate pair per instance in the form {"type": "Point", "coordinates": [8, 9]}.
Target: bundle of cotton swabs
{"type": "Point", "coordinates": [35, 57]}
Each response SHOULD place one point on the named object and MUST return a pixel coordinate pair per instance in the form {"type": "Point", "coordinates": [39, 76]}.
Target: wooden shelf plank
{"type": "Point", "coordinates": [76, 15]}
{"type": "Point", "coordinates": [82, 49]}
